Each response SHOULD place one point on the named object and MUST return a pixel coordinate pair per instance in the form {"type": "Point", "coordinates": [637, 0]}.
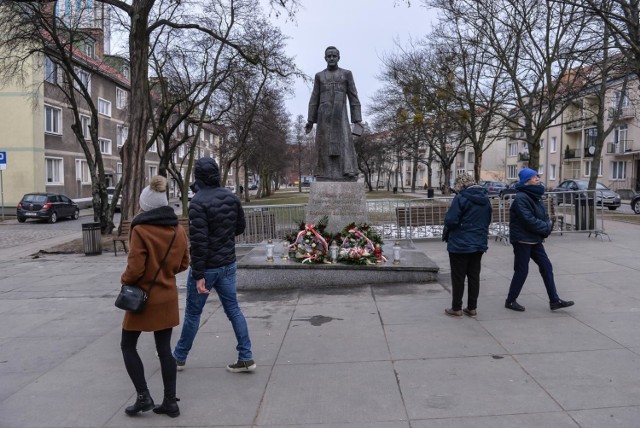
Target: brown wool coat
{"type": "Point", "coordinates": [147, 247]}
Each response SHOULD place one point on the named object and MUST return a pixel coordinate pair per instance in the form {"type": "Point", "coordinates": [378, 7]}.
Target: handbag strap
{"type": "Point", "coordinates": [153, 281]}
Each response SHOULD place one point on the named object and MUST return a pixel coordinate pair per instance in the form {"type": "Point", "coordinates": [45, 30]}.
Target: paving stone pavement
{"type": "Point", "coordinates": [345, 357]}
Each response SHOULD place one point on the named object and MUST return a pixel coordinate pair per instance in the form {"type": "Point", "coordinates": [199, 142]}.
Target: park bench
{"type": "Point", "coordinates": [122, 236]}
{"type": "Point", "coordinates": [125, 227]}
{"type": "Point", "coordinates": [424, 215]}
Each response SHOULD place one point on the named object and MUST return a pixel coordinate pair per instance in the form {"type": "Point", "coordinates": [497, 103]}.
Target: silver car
{"type": "Point", "coordinates": [604, 196]}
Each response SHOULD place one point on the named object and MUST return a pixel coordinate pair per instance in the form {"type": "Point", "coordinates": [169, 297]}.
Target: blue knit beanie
{"type": "Point", "coordinates": [527, 174]}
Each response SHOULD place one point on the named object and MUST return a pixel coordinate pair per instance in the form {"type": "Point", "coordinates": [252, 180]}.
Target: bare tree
{"type": "Point", "coordinates": [32, 31]}
{"type": "Point", "coordinates": [538, 44]}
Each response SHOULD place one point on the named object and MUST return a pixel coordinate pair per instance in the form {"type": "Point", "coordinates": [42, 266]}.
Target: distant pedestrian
{"type": "Point", "coordinates": [528, 227]}
{"type": "Point", "coordinates": [241, 190]}
{"type": "Point", "coordinates": [157, 246]}
{"type": "Point", "coordinates": [467, 227]}
{"type": "Point", "coordinates": [215, 219]}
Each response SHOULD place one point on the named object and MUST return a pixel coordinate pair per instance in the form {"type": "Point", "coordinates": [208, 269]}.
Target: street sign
{"type": "Point", "coordinates": [3, 160]}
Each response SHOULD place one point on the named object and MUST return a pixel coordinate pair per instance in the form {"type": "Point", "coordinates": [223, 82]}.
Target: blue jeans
{"type": "Point", "coordinates": [223, 281]}
{"type": "Point", "coordinates": [522, 254]}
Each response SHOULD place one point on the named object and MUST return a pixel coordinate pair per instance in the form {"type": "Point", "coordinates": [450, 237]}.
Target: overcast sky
{"type": "Point", "coordinates": [363, 31]}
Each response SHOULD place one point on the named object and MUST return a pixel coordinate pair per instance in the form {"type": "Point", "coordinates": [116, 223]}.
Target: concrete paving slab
{"type": "Point", "coordinates": [621, 327]}
{"type": "Point", "coordinates": [608, 417]}
{"type": "Point", "coordinates": [307, 394]}
{"type": "Point", "coordinates": [535, 420]}
{"type": "Point", "coordinates": [454, 387]}
{"type": "Point", "coordinates": [587, 379]}
{"type": "Point", "coordinates": [552, 334]}
{"type": "Point", "coordinates": [455, 338]}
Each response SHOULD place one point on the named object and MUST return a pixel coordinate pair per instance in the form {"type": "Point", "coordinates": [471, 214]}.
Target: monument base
{"type": "Point", "coordinates": [343, 202]}
{"type": "Point", "coordinates": [256, 273]}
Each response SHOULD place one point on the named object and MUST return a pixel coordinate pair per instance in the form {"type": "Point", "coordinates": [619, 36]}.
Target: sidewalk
{"type": "Point", "coordinates": [352, 357]}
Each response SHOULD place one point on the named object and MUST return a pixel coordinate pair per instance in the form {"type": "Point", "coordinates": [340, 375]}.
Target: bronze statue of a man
{"type": "Point", "coordinates": [328, 109]}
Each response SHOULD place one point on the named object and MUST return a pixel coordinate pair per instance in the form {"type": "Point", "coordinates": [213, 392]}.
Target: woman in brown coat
{"type": "Point", "coordinates": [155, 232]}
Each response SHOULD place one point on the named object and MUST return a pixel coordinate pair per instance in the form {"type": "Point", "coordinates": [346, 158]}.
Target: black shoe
{"type": "Point", "coordinates": [242, 366]}
{"type": "Point", "coordinates": [514, 306]}
{"type": "Point", "coordinates": [560, 304]}
{"type": "Point", "coordinates": [143, 403]}
{"type": "Point", "coordinates": [168, 407]}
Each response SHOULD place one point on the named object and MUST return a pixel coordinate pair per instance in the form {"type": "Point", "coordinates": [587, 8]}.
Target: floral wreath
{"type": "Point", "coordinates": [357, 244]}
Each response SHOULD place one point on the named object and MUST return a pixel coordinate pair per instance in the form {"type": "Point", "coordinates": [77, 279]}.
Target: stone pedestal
{"type": "Point", "coordinates": [342, 201]}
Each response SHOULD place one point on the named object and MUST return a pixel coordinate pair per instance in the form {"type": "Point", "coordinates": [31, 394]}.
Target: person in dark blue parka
{"type": "Point", "coordinates": [529, 225]}
{"type": "Point", "coordinates": [467, 224]}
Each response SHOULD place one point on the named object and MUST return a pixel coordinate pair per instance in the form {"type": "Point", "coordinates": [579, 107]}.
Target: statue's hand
{"type": "Point", "coordinates": [308, 127]}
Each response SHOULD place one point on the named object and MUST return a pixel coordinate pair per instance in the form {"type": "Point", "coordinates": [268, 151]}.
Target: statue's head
{"type": "Point", "coordinates": [332, 56]}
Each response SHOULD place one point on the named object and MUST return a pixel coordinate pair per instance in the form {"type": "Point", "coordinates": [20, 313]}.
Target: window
{"type": "Point", "coordinates": [174, 157]}
{"type": "Point", "coordinates": [50, 70]}
{"type": "Point", "coordinates": [181, 127]}
{"type": "Point", "coordinates": [122, 132]}
{"type": "Point", "coordinates": [118, 171]}
{"type": "Point", "coordinates": [587, 168]}
{"type": "Point", "coordinates": [541, 169]}
{"type": "Point", "coordinates": [53, 170]}
{"type": "Point", "coordinates": [153, 171]}
{"type": "Point", "coordinates": [619, 99]}
{"type": "Point", "coordinates": [104, 107]}
{"type": "Point", "coordinates": [470, 157]}
{"type": "Point", "coordinates": [210, 140]}
{"type": "Point", "coordinates": [105, 146]}
{"type": "Point", "coordinates": [121, 98]}
{"type": "Point", "coordinates": [618, 170]}
{"type": "Point", "coordinates": [541, 144]}
{"type": "Point", "coordinates": [85, 122]}
{"type": "Point", "coordinates": [513, 149]}
{"type": "Point", "coordinates": [84, 78]}
{"type": "Point", "coordinates": [554, 145]}
{"type": "Point", "coordinates": [52, 120]}
{"type": "Point", "coordinates": [590, 136]}
{"type": "Point", "coordinates": [201, 152]}
{"type": "Point", "coordinates": [82, 171]}
{"type": "Point", "coordinates": [512, 171]}
{"type": "Point", "coordinates": [125, 70]}
{"type": "Point", "coordinates": [460, 171]}
{"type": "Point", "coordinates": [153, 148]}
{"type": "Point", "coordinates": [90, 48]}
{"type": "Point", "coordinates": [552, 172]}
{"type": "Point", "coordinates": [181, 151]}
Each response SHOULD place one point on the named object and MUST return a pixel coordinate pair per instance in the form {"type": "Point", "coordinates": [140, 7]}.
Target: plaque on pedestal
{"type": "Point", "coordinates": [343, 202]}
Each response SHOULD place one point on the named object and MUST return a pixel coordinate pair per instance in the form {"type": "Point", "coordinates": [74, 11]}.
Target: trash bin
{"type": "Point", "coordinates": [91, 239]}
{"type": "Point", "coordinates": [585, 212]}
{"type": "Point", "coordinates": [430, 192]}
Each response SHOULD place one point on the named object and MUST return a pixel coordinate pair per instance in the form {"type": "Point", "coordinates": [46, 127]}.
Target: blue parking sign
{"type": "Point", "coordinates": [3, 160]}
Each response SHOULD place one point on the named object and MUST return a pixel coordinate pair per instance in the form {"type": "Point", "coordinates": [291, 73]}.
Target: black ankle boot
{"type": "Point", "coordinates": [168, 407]}
{"type": "Point", "coordinates": [143, 403]}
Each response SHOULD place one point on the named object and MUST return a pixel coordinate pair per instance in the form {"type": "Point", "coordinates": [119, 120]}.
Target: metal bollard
{"type": "Point", "coordinates": [91, 239]}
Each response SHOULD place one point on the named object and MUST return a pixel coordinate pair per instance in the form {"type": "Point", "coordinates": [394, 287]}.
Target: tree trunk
{"type": "Point", "coordinates": [134, 150]}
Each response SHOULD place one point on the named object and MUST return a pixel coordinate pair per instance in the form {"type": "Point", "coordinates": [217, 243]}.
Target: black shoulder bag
{"type": "Point", "coordinates": [132, 298]}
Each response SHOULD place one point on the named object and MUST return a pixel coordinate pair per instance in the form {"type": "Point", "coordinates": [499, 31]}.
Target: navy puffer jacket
{"type": "Point", "coordinates": [215, 218]}
{"type": "Point", "coordinates": [468, 221]}
{"type": "Point", "coordinates": [529, 220]}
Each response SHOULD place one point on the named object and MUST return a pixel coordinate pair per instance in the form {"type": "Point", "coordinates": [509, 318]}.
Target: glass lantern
{"type": "Point", "coordinates": [270, 250]}
{"type": "Point", "coordinates": [396, 253]}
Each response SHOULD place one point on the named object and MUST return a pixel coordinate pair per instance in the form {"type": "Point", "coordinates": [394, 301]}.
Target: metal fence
{"type": "Point", "coordinates": [413, 219]}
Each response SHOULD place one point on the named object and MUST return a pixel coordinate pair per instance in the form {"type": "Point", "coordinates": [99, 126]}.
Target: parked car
{"type": "Point", "coordinates": [494, 187]}
{"type": "Point", "coordinates": [635, 203]}
{"type": "Point", "coordinates": [110, 192]}
{"type": "Point", "coordinates": [253, 186]}
{"type": "Point", "coordinates": [510, 189]}
{"type": "Point", "coordinates": [604, 196]}
{"type": "Point", "coordinates": [46, 206]}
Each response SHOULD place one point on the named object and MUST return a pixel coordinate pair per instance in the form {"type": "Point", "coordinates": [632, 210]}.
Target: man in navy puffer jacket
{"type": "Point", "coordinates": [215, 219]}
{"type": "Point", "coordinates": [467, 222]}
{"type": "Point", "coordinates": [528, 226]}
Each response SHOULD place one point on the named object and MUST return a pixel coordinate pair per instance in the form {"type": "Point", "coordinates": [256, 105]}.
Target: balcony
{"type": "Point", "coordinates": [523, 157]}
{"type": "Point", "coordinates": [621, 113]}
{"type": "Point", "coordinates": [573, 123]}
{"type": "Point", "coordinates": [619, 148]}
{"type": "Point", "coordinates": [570, 154]}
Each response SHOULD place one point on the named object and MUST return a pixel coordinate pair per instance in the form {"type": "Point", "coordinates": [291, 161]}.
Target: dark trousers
{"type": "Point", "coordinates": [134, 366]}
{"type": "Point", "coordinates": [522, 254]}
{"type": "Point", "coordinates": [465, 265]}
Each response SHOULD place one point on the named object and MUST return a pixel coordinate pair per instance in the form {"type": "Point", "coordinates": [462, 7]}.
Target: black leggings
{"type": "Point", "coordinates": [134, 366]}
